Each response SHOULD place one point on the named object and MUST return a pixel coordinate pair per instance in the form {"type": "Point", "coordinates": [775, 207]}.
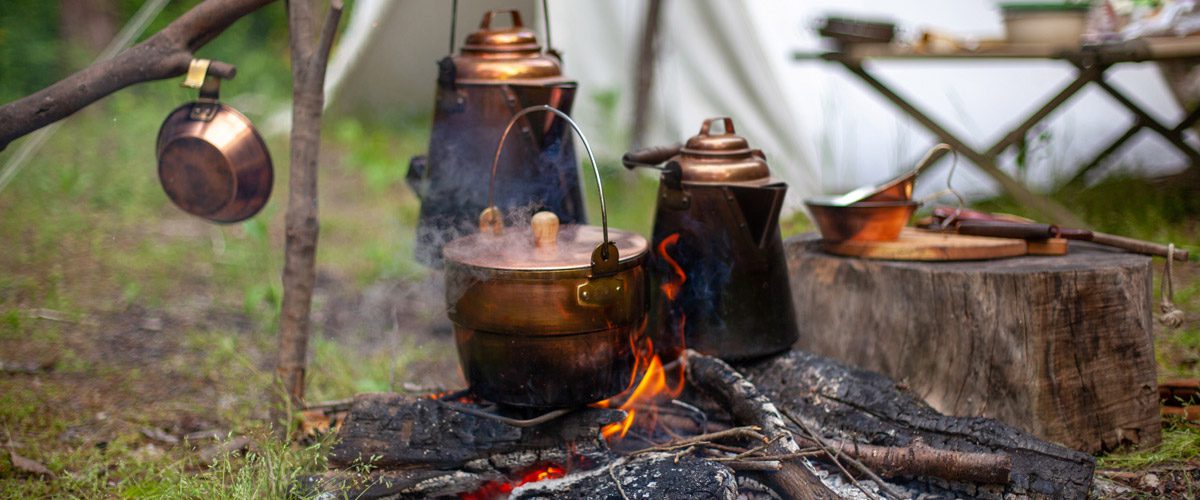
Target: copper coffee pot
{"type": "Point", "coordinates": [498, 72]}
{"type": "Point", "coordinates": [717, 268]}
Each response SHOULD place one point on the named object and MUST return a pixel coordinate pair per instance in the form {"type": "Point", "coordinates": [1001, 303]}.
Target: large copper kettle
{"type": "Point", "coordinates": [498, 72]}
{"type": "Point", "coordinates": [717, 268]}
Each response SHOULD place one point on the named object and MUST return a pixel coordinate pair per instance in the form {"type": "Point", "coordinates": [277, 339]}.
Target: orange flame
{"type": "Point", "coordinates": [640, 404]}
{"type": "Point", "coordinates": [493, 489]}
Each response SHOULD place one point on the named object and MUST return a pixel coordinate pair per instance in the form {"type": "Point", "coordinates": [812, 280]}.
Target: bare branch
{"type": "Point", "coordinates": [164, 55]}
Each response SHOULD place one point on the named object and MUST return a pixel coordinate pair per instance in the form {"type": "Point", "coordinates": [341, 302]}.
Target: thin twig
{"type": "Point", "coordinates": [760, 448]}
{"type": "Point", "coordinates": [507, 420]}
{"type": "Point", "coordinates": [769, 465]}
{"type": "Point", "coordinates": [750, 432]}
{"type": "Point", "coordinates": [785, 456]}
{"type": "Point", "coordinates": [835, 453]}
{"type": "Point", "coordinates": [620, 489]}
{"type": "Point", "coordinates": [684, 453]}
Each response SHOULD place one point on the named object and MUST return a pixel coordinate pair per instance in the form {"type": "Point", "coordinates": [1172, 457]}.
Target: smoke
{"type": "Point", "coordinates": [538, 169]}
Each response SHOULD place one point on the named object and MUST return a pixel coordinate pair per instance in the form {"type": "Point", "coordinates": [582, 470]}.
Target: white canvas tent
{"type": "Point", "coordinates": [822, 130]}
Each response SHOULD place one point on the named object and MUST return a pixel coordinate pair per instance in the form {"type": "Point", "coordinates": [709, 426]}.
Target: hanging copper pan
{"type": "Point", "coordinates": [211, 161]}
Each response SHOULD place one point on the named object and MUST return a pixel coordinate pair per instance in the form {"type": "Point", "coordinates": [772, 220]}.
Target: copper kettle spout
{"type": "Point", "coordinates": [760, 207]}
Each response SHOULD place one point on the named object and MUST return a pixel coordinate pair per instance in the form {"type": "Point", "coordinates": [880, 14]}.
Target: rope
{"type": "Point", "coordinates": [1170, 316]}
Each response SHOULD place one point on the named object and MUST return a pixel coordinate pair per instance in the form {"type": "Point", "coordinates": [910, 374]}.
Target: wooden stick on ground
{"type": "Point", "coordinates": [749, 407]}
{"type": "Point", "coordinates": [309, 56]}
{"type": "Point", "coordinates": [166, 54]}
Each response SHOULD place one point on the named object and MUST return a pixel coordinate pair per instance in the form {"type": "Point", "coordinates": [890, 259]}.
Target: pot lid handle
{"type": "Point", "coordinates": [704, 129]}
{"type": "Point", "coordinates": [486, 23]}
{"type": "Point", "coordinates": [606, 253]}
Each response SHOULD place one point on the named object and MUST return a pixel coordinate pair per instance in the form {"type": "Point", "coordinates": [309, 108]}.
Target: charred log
{"type": "Point", "coordinates": [748, 406]}
{"type": "Point", "coordinates": [396, 431]}
{"type": "Point", "coordinates": [860, 406]}
{"type": "Point", "coordinates": [648, 476]}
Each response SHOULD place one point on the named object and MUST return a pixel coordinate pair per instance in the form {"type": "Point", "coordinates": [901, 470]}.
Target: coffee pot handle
{"type": "Point", "coordinates": [650, 157]}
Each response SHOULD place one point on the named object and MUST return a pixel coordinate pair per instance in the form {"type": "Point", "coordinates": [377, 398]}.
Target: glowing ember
{"type": "Point", "coordinates": [641, 403]}
{"type": "Point", "coordinates": [493, 489]}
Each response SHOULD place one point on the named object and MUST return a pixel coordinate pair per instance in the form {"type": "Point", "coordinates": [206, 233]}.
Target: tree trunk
{"type": "Point", "coordinates": [309, 56]}
{"type": "Point", "coordinates": [1058, 346]}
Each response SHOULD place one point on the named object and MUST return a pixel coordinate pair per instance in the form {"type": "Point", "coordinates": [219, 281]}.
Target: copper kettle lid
{"type": "Point", "coordinates": [724, 157]}
{"type": "Point", "coordinates": [504, 53]}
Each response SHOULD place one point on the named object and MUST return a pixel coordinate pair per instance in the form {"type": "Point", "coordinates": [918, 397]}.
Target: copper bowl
{"type": "Point", "coordinates": [863, 221]}
{"type": "Point", "coordinates": [212, 163]}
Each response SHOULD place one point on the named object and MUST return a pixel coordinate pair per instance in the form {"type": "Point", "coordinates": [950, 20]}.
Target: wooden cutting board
{"type": "Point", "coordinates": [919, 244]}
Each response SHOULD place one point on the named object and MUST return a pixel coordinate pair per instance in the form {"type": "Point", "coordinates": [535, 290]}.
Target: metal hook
{"type": "Point", "coordinates": [962, 202]}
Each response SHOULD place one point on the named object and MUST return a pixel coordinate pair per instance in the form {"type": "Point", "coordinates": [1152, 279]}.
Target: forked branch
{"type": "Point", "coordinates": [166, 54]}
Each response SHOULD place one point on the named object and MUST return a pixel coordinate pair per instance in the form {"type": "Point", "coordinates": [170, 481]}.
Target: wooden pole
{"type": "Point", "coordinates": [167, 54]}
{"type": "Point", "coordinates": [646, 62]}
{"type": "Point", "coordinates": [309, 57]}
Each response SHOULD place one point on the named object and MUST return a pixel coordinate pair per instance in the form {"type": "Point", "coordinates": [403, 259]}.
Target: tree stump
{"type": "Point", "coordinates": [1061, 347]}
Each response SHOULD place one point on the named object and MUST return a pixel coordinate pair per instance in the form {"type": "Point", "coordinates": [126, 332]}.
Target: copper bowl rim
{"type": "Point", "coordinates": [827, 202]}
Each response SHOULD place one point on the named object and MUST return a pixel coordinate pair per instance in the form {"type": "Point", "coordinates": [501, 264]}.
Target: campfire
{"type": "Point", "coordinates": [576, 390]}
{"type": "Point", "coordinates": [792, 426]}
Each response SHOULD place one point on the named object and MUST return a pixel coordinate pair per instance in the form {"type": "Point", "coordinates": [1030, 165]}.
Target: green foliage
{"type": "Point", "coordinates": [1181, 443]}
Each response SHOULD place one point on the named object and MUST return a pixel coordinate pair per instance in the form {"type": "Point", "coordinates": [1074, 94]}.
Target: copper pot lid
{"type": "Point", "coordinates": [510, 53]}
{"type": "Point", "coordinates": [543, 246]}
{"type": "Point", "coordinates": [720, 158]}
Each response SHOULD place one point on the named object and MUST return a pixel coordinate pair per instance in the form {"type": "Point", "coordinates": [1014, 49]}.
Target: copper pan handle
{"type": "Point", "coordinates": [605, 256]}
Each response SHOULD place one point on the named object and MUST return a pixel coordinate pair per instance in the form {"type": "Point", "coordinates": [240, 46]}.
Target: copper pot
{"type": "Point", "coordinates": [499, 72]}
{"type": "Point", "coordinates": [543, 316]}
{"type": "Point", "coordinates": [211, 161]}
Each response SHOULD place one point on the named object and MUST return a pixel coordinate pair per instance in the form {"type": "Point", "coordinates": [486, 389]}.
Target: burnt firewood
{"type": "Point", "coordinates": [424, 483]}
{"type": "Point", "coordinates": [854, 405]}
{"type": "Point", "coordinates": [657, 476]}
{"type": "Point", "coordinates": [398, 431]}
{"type": "Point", "coordinates": [748, 406]}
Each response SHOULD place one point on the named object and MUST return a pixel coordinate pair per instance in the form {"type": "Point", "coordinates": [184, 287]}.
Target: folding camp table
{"type": "Point", "coordinates": [1090, 62]}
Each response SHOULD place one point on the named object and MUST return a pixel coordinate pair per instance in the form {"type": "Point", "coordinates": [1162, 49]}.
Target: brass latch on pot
{"type": "Point", "coordinates": [602, 287]}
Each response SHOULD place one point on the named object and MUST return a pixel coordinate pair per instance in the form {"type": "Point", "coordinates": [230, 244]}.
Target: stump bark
{"type": "Point", "coordinates": [1060, 346]}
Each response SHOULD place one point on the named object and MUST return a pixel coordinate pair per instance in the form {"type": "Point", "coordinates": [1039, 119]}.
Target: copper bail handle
{"type": "Point", "coordinates": [705, 128]}
{"type": "Point", "coordinates": [491, 213]}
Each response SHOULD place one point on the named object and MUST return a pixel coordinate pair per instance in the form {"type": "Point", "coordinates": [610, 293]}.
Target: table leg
{"type": "Point", "coordinates": [1174, 136]}
{"type": "Point", "coordinates": [1077, 178]}
{"type": "Point", "coordinates": [1084, 77]}
{"type": "Point", "coordinates": [986, 162]}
